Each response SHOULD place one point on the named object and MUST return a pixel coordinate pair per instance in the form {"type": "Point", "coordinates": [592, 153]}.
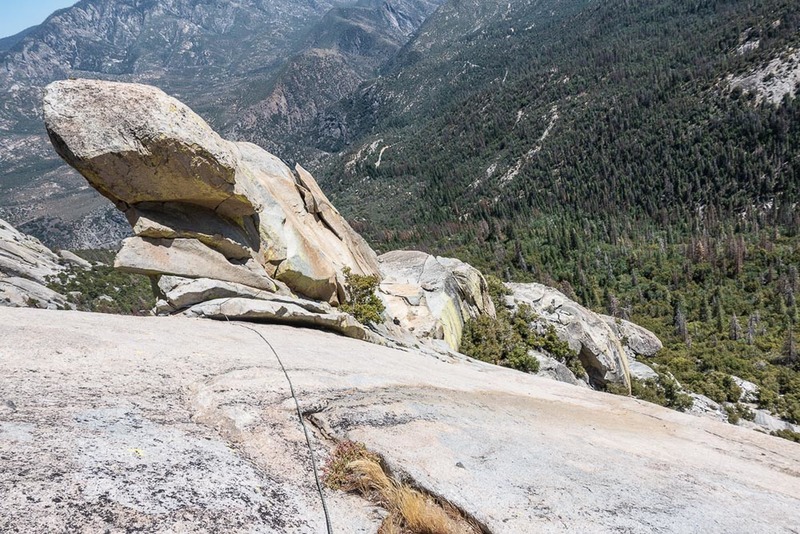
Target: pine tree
{"type": "Point", "coordinates": [790, 347]}
{"type": "Point", "coordinates": [735, 328]}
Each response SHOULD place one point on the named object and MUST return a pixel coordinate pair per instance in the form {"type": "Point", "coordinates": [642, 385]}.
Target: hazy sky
{"type": "Point", "coordinates": [16, 15]}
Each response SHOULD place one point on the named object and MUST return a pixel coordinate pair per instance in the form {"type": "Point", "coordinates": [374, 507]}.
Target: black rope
{"type": "Point", "coordinates": [302, 423]}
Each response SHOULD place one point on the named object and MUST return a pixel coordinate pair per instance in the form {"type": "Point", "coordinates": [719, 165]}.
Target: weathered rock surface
{"type": "Point", "coordinates": [25, 264]}
{"type": "Point", "coordinates": [749, 389]}
{"type": "Point", "coordinates": [284, 310]}
{"type": "Point", "coordinates": [71, 258]}
{"type": "Point", "coordinates": [705, 407]}
{"type": "Point", "coordinates": [641, 371]}
{"type": "Point", "coordinates": [765, 421]}
{"type": "Point", "coordinates": [432, 296]}
{"type": "Point", "coordinates": [188, 258]}
{"type": "Point", "coordinates": [176, 179]}
{"type": "Point", "coordinates": [25, 256]}
{"type": "Point", "coordinates": [637, 340]}
{"type": "Point", "coordinates": [174, 424]}
{"type": "Point", "coordinates": [176, 293]}
{"type": "Point", "coordinates": [20, 292]}
{"type": "Point", "coordinates": [587, 333]}
{"type": "Point", "coordinates": [555, 370]}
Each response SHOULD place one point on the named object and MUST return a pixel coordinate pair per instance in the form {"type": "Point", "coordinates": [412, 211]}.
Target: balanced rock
{"type": "Point", "coordinates": [598, 346]}
{"type": "Point", "coordinates": [184, 187]}
{"type": "Point", "coordinates": [432, 296]}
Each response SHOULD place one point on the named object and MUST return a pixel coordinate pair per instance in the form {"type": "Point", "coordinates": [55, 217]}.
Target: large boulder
{"type": "Point", "coordinates": [432, 296]}
{"type": "Point", "coordinates": [25, 265]}
{"type": "Point", "coordinates": [176, 179]}
{"type": "Point", "coordinates": [598, 346]}
{"type": "Point", "coordinates": [637, 340]}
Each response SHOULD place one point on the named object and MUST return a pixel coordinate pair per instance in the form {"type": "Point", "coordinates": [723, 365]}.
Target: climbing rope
{"type": "Point", "coordinates": [302, 424]}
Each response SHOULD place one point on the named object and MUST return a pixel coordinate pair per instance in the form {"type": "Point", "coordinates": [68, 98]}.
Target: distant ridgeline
{"type": "Point", "coordinates": [643, 155]}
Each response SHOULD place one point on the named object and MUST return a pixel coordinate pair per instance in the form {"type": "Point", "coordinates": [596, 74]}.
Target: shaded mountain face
{"type": "Point", "coordinates": [234, 62]}
{"type": "Point", "coordinates": [346, 48]}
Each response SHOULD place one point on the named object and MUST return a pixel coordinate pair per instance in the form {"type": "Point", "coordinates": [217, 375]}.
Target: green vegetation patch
{"type": "Point", "coordinates": [364, 304]}
{"type": "Point", "coordinates": [507, 339]}
{"type": "Point", "coordinates": [104, 289]}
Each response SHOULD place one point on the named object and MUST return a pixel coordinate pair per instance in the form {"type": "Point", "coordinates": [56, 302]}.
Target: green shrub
{"type": "Point", "coordinates": [663, 391]}
{"type": "Point", "coordinates": [363, 303]}
{"type": "Point", "coordinates": [737, 412]}
{"type": "Point", "coordinates": [497, 341]}
{"type": "Point", "coordinates": [718, 386]}
{"type": "Point", "coordinates": [733, 415]}
{"type": "Point", "coordinates": [787, 434]}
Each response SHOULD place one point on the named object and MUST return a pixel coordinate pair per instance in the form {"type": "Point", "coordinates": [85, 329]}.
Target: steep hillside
{"type": "Point", "coordinates": [8, 42]}
{"type": "Point", "coordinates": [343, 50]}
{"type": "Point", "coordinates": [224, 58]}
{"type": "Point", "coordinates": [506, 109]}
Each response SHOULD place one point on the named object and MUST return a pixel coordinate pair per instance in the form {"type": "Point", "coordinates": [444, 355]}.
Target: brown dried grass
{"type": "Point", "coordinates": [418, 513]}
{"type": "Point", "coordinates": [353, 468]}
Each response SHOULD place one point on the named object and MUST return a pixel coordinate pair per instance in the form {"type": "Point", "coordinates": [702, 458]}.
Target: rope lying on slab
{"type": "Point", "coordinates": [302, 424]}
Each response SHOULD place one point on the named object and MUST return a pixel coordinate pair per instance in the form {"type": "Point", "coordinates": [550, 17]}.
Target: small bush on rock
{"type": "Point", "coordinates": [104, 289]}
{"type": "Point", "coordinates": [508, 339]}
{"type": "Point", "coordinates": [663, 391]}
{"type": "Point", "coordinates": [787, 434]}
{"type": "Point", "coordinates": [497, 341]}
{"type": "Point", "coordinates": [364, 304]}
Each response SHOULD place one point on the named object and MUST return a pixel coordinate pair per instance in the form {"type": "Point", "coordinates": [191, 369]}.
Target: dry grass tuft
{"type": "Point", "coordinates": [336, 474]}
{"type": "Point", "coordinates": [353, 468]}
{"type": "Point", "coordinates": [390, 525]}
{"type": "Point", "coordinates": [410, 510]}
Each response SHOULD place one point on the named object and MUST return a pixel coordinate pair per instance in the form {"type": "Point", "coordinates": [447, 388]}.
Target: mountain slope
{"type": "Point", "coordinates": [562, 106]}
{"type": "Point", "coordinates": [340, 52]}
{"type": "Point", "coordinates": [8, 42]}
{"type": "Point", "coordinates": [223, 58]}
{"type": "Point", "coordinates": [642, 156]}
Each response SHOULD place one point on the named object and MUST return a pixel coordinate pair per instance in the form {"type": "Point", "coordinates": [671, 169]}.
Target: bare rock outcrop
{"type": "Point", "coordinates": [430, 296]}
{"type": "Point", "coordinates": [111, 423]}
{"type": "Point", "coordinates": [228, 230]}
{"type": "Point", "coordinates": [25, 264]}
{"type": "Point", "coordinates": [598, 346]}
{"type": "Point", "coordinates": [637, 340]}
{"type": "Point", "coordinates": [237, 212]}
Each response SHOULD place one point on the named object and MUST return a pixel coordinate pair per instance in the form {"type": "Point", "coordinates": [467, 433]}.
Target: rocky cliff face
{"type": "Point", "coordinates": [243, 62]}
{"type": "Point", "coordinates": [25, 265]}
